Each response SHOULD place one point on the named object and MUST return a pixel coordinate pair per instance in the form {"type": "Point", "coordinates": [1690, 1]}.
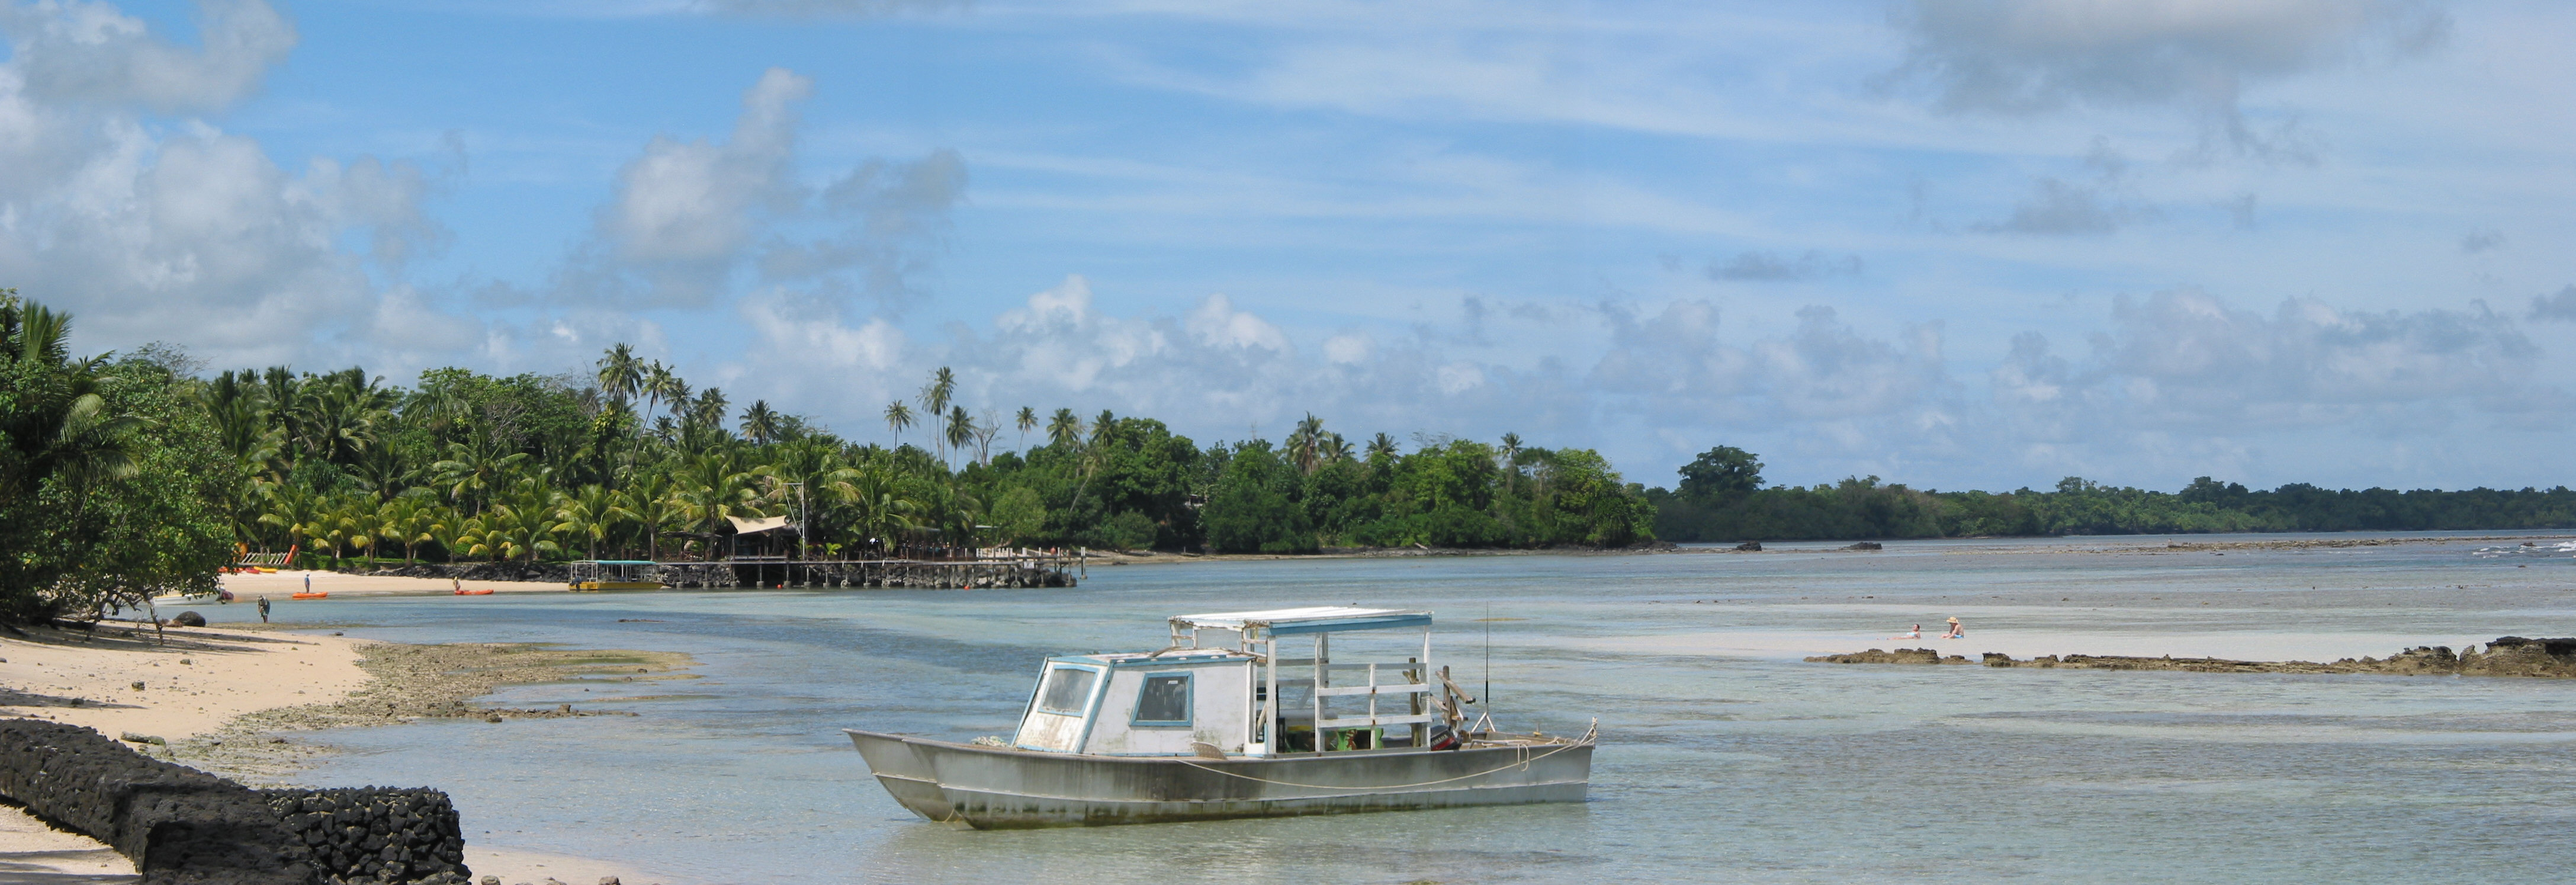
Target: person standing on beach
{"type": "Point", "coordinates": [1956, 632]}
{"type": "Point", "coordinates": [263, 609]}
{"type": "Point", "coordinates": [308, 582]}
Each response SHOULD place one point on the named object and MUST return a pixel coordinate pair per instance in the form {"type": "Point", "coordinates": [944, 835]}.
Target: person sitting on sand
{"type": "Point", "coordinates": [1956, 632]}
{"type": "Point", "coordinates": [1916, 632]}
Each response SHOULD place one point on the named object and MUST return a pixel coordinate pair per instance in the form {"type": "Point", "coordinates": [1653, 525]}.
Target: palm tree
{"type": "Point", "coordinates": [649, 503]}
{"type": "Point", "coordinates": [620, 374]}
{"type": "Point", "coordinates": [1381, 446]}
{"type": "Point", "coordinates": [935, 397]}
{"type": "Point", "coordinates": [1335, 448]}
{"type": "Point", "coordinates": [1305, 446]}
{"type": "Point", "coordinates": [759, 423]}
{"type": "Point", "coordinates": [881, 505]}
{"type": "Point", "coordinates": [1064, 431]}
{"type": "Point", "coordinates": [591, 514]}
{"type": "Point", "coordinates": [1511, 449]}
{"type": "Point", "coordinates": [961, 428]}
{"type": "Point", "coordinates": [1028, 421]}
{"type": "Point", "coordinates": [898, 417]}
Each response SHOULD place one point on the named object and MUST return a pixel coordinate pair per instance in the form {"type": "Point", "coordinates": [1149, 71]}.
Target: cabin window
{"type": "Point", "coordinates": [1165, 700]}
{"type": "Point", "coordinates": [1068, 690]}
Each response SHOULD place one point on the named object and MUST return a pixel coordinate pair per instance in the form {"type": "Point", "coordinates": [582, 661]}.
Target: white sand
{"type": "Point", "coordinates": [186, 691]}
{"type": "Point", "coordinates": [248, 672]}
{"type": "Point", "coordinates": [280, 585]}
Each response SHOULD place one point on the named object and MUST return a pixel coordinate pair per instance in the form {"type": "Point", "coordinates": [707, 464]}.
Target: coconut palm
{"type": "Point", "coordinates": [1305, 445]}
{"type": "Point", "coordinates": [898, 417]}
{"type": "Point", "coordinates": [1028, 421]}
{"type": "Point", "coordinates": [759, 423]}
{"type": "Point", "coordinates": [1381, 446]}
{"type": "Point", "coordinates": [935, 399]}
{"type": "Point", "coordinates": [650, 504]}
{"type": "Point", "coordinates": [960, 429]}
{"type": "Point", "coordinates": [1064, 431]}
{"type": "Point", "coordinates": [881, 503]}
{"type": "Point", "coordinates": [590, 514]}
{"type": "Point", "coordinates": [620, 374]}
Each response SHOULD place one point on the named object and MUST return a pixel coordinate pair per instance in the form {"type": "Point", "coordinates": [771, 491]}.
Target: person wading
{"type": "Point", "coordinates": [263, 609]}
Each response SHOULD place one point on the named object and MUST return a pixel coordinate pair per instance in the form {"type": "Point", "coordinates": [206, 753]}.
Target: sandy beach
{"type": "Point", "coordinates": [218, 699]}
{"type": "Point", "coordinates": [280, 587]}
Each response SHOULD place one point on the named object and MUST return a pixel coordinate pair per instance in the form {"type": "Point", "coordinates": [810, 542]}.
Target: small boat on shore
{"type": "Point", "coordinates": [1218, 724]}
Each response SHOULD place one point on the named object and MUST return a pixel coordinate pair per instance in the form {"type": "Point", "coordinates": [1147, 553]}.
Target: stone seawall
{"type": "Point", "coordinates": [182, 826]}
{"type": "Point", "coordinates": [2506, 656]}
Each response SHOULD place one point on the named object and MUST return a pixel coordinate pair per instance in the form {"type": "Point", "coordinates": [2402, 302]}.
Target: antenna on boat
{"type": "Point", "coordinates": [1489, 659]}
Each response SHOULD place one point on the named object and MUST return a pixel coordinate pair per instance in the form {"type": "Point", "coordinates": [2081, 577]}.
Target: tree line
{"type": "Point", "coordinates": [1721, 497]}
{"type": "Point", "coordinates": [630, 460]}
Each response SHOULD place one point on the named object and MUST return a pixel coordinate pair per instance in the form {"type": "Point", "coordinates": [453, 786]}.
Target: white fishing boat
{"type": "Point", "coordinates": [1221, 724]}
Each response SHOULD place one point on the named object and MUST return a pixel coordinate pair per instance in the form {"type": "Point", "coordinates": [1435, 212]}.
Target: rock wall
{"type": "Point", "coordinates": [181, 826]}
{"type": "Point", "coordinates": [377, 834]}
{"type": "Point", "coordinates": [2507, 656]}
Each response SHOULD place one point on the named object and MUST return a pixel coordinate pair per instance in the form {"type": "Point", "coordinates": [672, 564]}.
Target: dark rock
{"type": "Point", "coordinates": [1864, 545]}
{"type": "Point", "coordinates": [1750, 546]}
{"type": "Point", "coordinates": [189, 619]}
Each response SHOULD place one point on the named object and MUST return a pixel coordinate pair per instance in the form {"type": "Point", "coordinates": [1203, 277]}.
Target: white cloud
{"type": "Point", "coordinates": [2031, 56]}
{"type": "Point", "coordinates": [69, 50]}
{"type": "Point", "coordinates": [2185, 361]}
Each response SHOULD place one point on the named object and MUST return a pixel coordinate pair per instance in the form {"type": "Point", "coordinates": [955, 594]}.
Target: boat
{"type": "Point", "coordinates": [1221, 724]}
{"type": "Point", "coordinates": [487, 591]}
{"type": "Point", "coordinates": [321, 595]}
{"type": "Point", "coordinates": [614, 574]}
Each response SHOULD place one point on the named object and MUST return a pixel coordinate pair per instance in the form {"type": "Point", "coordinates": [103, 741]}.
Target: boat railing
{"type": "Point", "coordinates": [1371, 690]}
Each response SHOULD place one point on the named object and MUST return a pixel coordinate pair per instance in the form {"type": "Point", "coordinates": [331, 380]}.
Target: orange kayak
{"type": "Point", "coordinates": [322, 595]}
{"type": "Point", "coordinates": [483, 592]}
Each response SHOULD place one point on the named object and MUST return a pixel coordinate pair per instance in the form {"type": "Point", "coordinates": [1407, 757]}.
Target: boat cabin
{"type": "Point", "coordinates": [615, 574]}
{"type": "Point", "coordinates": [1226, 686]}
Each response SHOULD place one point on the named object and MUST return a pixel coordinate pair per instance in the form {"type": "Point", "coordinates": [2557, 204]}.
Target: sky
{"type": "Point", "coordinates": [1972, 244]}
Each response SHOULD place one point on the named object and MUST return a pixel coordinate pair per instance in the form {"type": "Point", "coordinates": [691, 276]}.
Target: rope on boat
{"type": "Point", "coordinates": [1522, 763]}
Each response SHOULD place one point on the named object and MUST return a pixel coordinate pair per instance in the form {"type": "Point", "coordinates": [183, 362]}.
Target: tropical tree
{"type": "Point", "coordinates": [1064, 431]}
{"type": "Point", "coordinates": [1028, 421]}
{"type": "Point", "coordinates": [898, 417]}
{"type": "Point", "coordinates": [759, 424]}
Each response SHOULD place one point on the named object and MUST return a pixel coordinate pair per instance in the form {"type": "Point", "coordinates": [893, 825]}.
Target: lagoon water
{"type": "Point", "coordinates": [1723, 756]}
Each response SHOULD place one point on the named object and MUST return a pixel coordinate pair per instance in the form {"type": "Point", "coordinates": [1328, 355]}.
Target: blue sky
{"type": "Point", "coordinates": [1968, 244]}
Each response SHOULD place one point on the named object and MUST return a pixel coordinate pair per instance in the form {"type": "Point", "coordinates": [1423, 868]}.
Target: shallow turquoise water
{"type": "Point", "coordinates": [1713, 766]}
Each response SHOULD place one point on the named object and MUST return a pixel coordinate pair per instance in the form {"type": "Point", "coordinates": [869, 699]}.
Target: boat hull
{"type": "Point", "coordinates": [1001, 788]}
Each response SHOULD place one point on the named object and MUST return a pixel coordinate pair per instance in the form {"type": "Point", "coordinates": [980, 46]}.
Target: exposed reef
{"type": "Point", "coordinates": [2507, 656]}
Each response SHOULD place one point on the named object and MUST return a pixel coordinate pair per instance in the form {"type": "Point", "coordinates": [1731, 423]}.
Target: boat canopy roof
{"type": "Point", "coordinates": [1315, 619]}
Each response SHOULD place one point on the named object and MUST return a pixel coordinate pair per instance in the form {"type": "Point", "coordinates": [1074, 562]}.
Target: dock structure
{"type": "Point", "coordinates": [1008, 571]}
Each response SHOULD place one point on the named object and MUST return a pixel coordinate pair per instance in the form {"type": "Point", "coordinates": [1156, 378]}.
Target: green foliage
{"type": "Point", "coordinates": [1864, 508]}
{"type": "Point", "coordinates": [113, 479]}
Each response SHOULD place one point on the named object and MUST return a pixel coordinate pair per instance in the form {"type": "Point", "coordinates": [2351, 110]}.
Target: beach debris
{"type": "Point", "coordinates": [609, 880]}
{"type": "Point", "coordinates": [492, 718]}
{"type": "Point", "coordinates": [491, 880]}
{"type": "Point", "coordinates": [153, 739]}
{"type": "Point", "coordinates": [138, 686]}
{"type": "Point", "coordinates": [186, 662]}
